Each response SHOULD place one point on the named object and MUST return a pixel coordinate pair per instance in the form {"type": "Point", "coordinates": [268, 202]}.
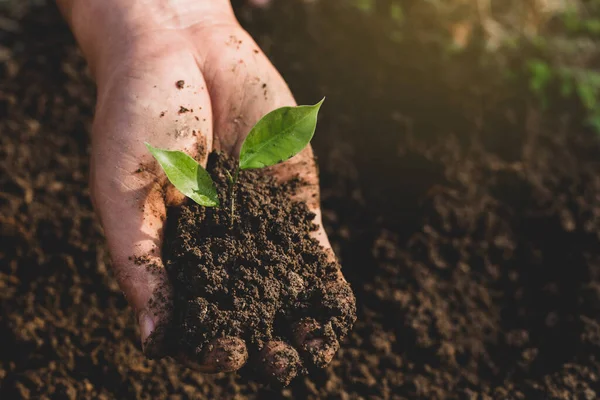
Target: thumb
{"type": "Point", "coordinates": [127, 184]}
{"type": "Point", "coordinates": [132, 212]}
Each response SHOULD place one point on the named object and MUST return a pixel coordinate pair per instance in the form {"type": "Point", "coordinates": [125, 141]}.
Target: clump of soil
{"type": "Point", "coordinates": [255, 276]}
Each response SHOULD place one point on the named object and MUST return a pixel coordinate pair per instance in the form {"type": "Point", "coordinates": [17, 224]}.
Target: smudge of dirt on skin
{"type": "Point", "coordinates": [181, 132]}
{"type": "Point", "coordinates": [140, 260]}
{"type": "Point", "coordinates": [201, 149]}
{"type": "Point", "coordinates": [234, 41]}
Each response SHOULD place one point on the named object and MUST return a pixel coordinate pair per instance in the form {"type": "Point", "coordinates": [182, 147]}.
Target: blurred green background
{"type": "Point", "coordinates": [548, 47]}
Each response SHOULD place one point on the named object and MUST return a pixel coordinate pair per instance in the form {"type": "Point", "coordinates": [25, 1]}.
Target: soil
{"type": "Point", "coordinates": [468, 228]}
{"type": "Point", "coordinates": [253, 276]}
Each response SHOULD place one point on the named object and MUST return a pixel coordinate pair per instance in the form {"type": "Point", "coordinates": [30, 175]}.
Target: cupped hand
{"type": "Point", "coordinates": [194, 88]}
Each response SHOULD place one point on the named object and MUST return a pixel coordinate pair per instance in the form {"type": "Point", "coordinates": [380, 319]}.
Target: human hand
{"type": "Point", "coordinates": [138, 52]}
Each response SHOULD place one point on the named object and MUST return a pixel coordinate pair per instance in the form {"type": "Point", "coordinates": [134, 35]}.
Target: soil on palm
{"type": "Point", "coordinates": [255, 276]}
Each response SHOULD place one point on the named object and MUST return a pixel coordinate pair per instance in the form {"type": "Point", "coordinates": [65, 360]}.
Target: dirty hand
{"type": "Point", "coordinates": [181, 75]}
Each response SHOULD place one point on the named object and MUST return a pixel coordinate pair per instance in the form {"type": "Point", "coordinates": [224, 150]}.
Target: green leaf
{"type": "Point", "coordinates": [279, 135]}
{"type": "Point", "coordinates": [187, 176]}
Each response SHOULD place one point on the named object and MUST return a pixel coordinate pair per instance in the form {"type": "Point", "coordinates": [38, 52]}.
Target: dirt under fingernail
{"type": "Point", "coordinates": [252, 279]}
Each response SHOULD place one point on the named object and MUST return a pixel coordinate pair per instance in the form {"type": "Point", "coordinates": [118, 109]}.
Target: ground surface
{"type": "Point", "coordinates": [466, 221]}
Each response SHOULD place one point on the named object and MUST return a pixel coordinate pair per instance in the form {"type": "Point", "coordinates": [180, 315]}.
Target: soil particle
{"type": "Point", "coordinates": [180, 84]}
{"type": "Point", "coordinates": [141, 260]}
{"type": "Point", "coordinates": [257, 278]}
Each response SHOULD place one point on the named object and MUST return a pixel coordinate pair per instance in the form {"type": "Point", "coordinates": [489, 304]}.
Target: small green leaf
{"type": "Point", "coordinates": [187, 176]}
{"type": "Point", "coordinates": [279, 135]}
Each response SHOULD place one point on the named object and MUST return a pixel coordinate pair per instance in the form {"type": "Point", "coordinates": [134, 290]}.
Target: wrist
{"type": "Point", "coordinates": [109, 29]}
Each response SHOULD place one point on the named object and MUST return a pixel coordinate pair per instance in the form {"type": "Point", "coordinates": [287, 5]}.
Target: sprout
{"type": "Point", "coordinates": [277, 137]}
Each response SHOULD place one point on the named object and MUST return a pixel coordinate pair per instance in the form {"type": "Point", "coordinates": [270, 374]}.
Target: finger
{"type": "Point", "coordinates": [317, 345]}
{"type": "Point", "coordinates": [132, 214]}
{"type": "Point", "coordinates": [138, 104]}
{"type": "Point", "coordinates": [319, 341]}
{"type": "Point", "coordinates": [226, 354]}
{"type": "Point", "coordinates": [280, 362]}
{"type": "Point", "coordinates": [316, 341]}
{"type": "Point", "coordinates": [337, 308]}
{"type": "Point", "coordinates": [338, 301]}
{"type": "Point", "coordinates": [243, 85]}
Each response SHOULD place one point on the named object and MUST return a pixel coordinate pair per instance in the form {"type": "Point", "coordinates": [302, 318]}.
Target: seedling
{"type": "Point", "coordinates": [277, 137]}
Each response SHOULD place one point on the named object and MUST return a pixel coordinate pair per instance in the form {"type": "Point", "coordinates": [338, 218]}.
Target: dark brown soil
{"type": "Point", "coordinates": [252, 277]}
{"type": "Point", "coordinates": [469, 230]}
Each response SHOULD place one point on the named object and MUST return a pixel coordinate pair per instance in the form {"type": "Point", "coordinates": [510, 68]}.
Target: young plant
{"type": "Point", "coordinates": [277, 137]}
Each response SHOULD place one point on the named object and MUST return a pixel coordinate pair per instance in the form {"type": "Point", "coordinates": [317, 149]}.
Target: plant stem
{"type": "Point", "coordinates": [232, 183]}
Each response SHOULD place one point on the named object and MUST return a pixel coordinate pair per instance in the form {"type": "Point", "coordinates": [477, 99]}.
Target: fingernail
{"type": "Point", "coordinates": [146, 326]}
